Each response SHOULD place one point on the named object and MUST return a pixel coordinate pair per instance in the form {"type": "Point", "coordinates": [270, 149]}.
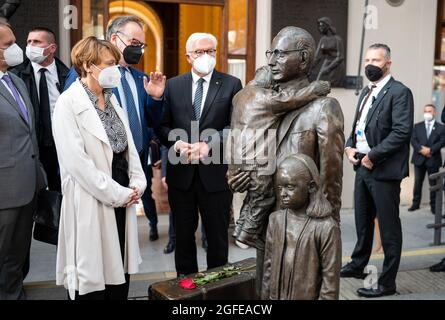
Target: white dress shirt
{"type": "Point", "coordinates": [430, 128]}
{"type": "Point", "coordinates": [205, 90]}
{"type": "Point", "coordinates": [52, 79]}
{"type": "Point", "coordinates": [362, 145]}
{"type": "Point", "coordinates": [205, 87]}
{"type": "Point", "coordinates": [134, 92]}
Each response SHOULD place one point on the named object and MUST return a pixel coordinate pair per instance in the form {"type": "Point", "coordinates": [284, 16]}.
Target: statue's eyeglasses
{"type": "Point", "coordinates": [279, 53]}
{"type": "Point", "coordinates": [199, 53]}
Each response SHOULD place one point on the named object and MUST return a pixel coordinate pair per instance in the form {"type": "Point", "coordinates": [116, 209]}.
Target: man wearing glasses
{"type": "Point", "coordinates": [202, 100]}
{"type": "Point", "coordinates": [315, 130]}
{"type": "Point", "coordinates": [140, 98]}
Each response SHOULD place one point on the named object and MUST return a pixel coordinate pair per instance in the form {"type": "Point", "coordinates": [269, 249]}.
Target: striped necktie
{"type": "Point", "coordinates": [133, 118]}
{"type": "Point", "coordinates": [198, 99]}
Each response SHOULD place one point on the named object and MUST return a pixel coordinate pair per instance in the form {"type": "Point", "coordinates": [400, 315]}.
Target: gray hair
{"type": "Point", "coordinates": [387, 49]}
{"type": "Point", "coordinates": [120, 22]}
{"type": "Point", "coordinates": [199, 36]}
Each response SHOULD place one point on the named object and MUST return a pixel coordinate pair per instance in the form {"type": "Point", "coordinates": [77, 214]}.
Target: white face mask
{"type": "Point", "coordinates": [13, 55]}
{"type": "Point", "coordinates": [109, 77]}
{"type": "Point", "coordinates": [428, 117]}
{"type": "Point", "coordinates": [35, 54]}
{"type": "Point", "coordinates": [204, 64]}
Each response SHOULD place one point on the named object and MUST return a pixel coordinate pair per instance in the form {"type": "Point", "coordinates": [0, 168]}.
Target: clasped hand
{"type": "Point", "coordinates": [195, 152]}
{"type": "Point", "coordinates": [133, 198]}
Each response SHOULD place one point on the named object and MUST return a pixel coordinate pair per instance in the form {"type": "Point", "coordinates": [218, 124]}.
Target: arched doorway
{"type": "Point", "coordinates": [154, 31]}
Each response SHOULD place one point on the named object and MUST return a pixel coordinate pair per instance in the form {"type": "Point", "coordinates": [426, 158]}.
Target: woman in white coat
{"type": "Point", "coordinates": [102, 179]}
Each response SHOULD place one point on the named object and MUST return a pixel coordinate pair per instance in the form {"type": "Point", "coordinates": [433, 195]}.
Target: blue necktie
{"type": "Point", "coordinates": [198, 99]}
{"type": "Point", "coordinates": [133, 119]}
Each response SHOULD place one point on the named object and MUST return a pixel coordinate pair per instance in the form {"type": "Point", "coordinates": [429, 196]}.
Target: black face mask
{"type": "Point", "coordinates": [373, 73]}
{"type": "Point", "coordinates": [132, 54]}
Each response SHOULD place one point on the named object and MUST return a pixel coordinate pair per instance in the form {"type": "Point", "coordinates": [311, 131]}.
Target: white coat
{"type": "Point", "coordinates": [88, 252]}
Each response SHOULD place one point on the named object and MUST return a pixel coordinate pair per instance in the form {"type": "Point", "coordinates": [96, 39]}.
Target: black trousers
{"type": "Point", "coordinates": [115, 292]}
{"type": "Point", "coordinates": [147, 199]}
{"type": "Point", "coordinates": [377, 198]}
{"type": "Point", "coordinates": [214, 208]}
{"type": "Point", "coordinates": [419, 172]}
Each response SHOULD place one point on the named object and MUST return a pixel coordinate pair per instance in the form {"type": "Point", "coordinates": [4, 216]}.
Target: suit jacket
{"type": "Point", "coordinates": [150, 110]}
{"type": "Point", "coordinates": [216, 114]}
{"type": "Point", "coordinates": [388, 130]}
{"type": "Point", "coordinates": [435, 142]}
{"type": "Point", "coordinates": [21, 174]}
{"type": "Point", "coordinates": [25, 72]}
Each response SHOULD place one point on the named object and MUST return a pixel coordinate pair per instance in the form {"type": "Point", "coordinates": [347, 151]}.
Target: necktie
{"type": "Point", "coordinates": [17, 98]}
{"type": "Point", "coordinates": [198, 99]}
{"type": "Point", "coordinates": [428, 130]}
{"type": "Point", "coordinates": [45, 110]}
{"type": "Point", "coordinates": [133, 119]}
{"type": "Point", "coordinates": [362, 107]}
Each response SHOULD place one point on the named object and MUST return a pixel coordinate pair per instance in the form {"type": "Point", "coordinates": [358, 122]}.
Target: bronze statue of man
{"type": "Point", "coordinates": [302, 258]}
{"type": "Point", "coordinates": [315, 129]}
{"type": "Point", "coordinates": [256, 115]}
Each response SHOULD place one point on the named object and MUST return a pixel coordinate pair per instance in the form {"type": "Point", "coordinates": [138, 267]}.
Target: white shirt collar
{"type": "Point", "coordinates": [2, 74]}
{"type": "Point", "coordinates": [432, 122]}
{"type": "Point", "coordinates": [207, 78]}
{"type": "Point", "coordinates": [52, 69]}
{"type": "Point", "coordinates": [382, 83]}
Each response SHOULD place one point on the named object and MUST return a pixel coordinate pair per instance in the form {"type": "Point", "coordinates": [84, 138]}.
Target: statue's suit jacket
{"type": "Point", "coordinates": [317, 131]}
{"type": "Point", "coordinates": [21, 174]}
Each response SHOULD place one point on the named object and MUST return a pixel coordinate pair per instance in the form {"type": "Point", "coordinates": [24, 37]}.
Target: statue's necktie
{"type": "Point", "coordinates": [17, 98]}
{"type": "Point", "coordinates": [133, 119]}
{"type": "Point", "coordinates": [198, 99]}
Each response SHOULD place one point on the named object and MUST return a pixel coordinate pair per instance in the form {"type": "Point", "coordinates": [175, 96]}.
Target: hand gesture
{"type": "Point", "coordinates": [156, 86]}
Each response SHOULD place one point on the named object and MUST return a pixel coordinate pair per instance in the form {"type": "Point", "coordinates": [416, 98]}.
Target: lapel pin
{"type": "Point", "coordinates": [217, 82]}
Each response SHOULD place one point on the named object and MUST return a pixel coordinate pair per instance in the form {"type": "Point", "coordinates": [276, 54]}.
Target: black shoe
{"type": "Point", "coordinates": [154, 234]}
{"type": "Point", "coordinates": [205, 245]}
{"type": "Point", "coordinates": [439, 267]}
{"type": "Point", "coordinates": [381, 291]}
{"type": "Point", "coordinates": [169, 248]}
{"type": "Point", "coordinates": [349, 272]}
{"type": "Point", "coordinates": [413, 208]}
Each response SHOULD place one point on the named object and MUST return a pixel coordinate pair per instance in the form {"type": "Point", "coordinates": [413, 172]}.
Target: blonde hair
{"type": "Point", "coordinates": [89, 51]}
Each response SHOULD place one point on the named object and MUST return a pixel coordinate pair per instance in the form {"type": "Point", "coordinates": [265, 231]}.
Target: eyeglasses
{"type": "Point", "coordinates": [133, 41]}
{"type": "Point", "coordinates": [199, 53]}
{"type": "Point", "coordinates": [279, 53]}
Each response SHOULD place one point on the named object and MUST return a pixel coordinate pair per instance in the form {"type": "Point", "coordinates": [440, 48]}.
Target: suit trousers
{"type": "Point", "coordinates": [420, 172]}
{"type": "Point", "coordinates": [15, 241]}
{"type": "Point", "coordinates": [377, 198]}
{"type": "Point", "coordinates": [214, 208]}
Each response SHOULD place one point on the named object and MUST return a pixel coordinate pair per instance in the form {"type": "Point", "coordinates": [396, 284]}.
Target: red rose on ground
{"type": "Point", "coordinates": [187, 284]}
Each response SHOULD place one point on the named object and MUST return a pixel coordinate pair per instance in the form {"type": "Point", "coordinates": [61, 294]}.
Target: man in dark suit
{"type": "Point", "coordinates": [44, 76]}
{"type": "Point", "coordinates": [21, 173]}
{"type": "Point", "coordinates": [427, 140]}
{"type": "Point", "coordinates": [140, 98]}
{"type": "Point", "coordinates": [378, 147]}
{"type": "Point", "coordinates": [195, 102]}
